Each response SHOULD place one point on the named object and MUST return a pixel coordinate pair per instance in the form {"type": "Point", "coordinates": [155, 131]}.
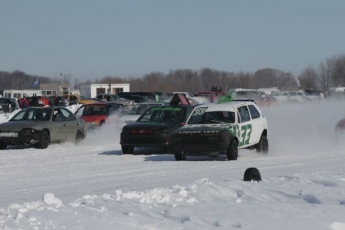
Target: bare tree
{"type": "Point", "coordinates": [308, 78]}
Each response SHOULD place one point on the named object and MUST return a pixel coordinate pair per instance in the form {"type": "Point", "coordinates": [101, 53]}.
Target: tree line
{"type": "Point", "coordinates": [329, 73]}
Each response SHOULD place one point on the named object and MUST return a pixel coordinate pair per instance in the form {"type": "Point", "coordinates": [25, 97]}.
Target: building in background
{"type": "Point", "coordinates": [56, 89]}
{"type": "Point", "coordinates": [90, 91]}
{"type": "Point", "coordinates": [19, 93]}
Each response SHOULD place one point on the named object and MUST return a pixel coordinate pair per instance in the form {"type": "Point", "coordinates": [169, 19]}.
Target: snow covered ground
{"type": "Point", "coordinates": [94, 186]}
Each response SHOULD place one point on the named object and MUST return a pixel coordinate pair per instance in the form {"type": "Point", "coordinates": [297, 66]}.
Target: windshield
{"type": "Point", "coordinates": [33, 114]}
{"type": "Point", "coordinates": [202, 116]}
{"type": "Point", "coordinates": [164, 113]}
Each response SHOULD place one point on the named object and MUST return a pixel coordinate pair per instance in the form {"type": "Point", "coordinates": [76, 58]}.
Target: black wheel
{"type": "Point", "coordinates": [3, 145]}
{"type": "Point", "coordinates": [262, 146]}
{"type": "Point", "coordinates": [79, 137]}
{"type": "Point", "coordinates": [252, 174]}
{"type": "Point", "coordinates": [44, 140]}
{"type": "Point", "coordinates": [180, 156]}
{"type": "Point", "coordinates": [232, 152]}
{"type": "Point", "coordinates": [101, 124]}
{"type": "Point", "coordinates": [127, 149]}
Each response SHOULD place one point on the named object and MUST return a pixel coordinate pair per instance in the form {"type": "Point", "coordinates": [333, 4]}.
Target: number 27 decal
{"type": "Point", "coordinates": [245, 134]}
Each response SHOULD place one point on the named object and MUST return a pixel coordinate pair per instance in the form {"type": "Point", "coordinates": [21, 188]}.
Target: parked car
{"type": "Point", "coordinates": [134, 113]}
{"type": "Point", "coordinates": [139, 99]}
{"type": "Point", "coordinates": [154, 126]}
{"type": "Point", "coordinates": [214, 129]}
{"type": "Point", "coordinates": [298, 96]}
{"type": "Point", "coordinates": [98, 114]}
{"type": "Point", "coordinates": [317, 94]}
{"type": "Point", "coordinates": [76, 99]}
{"type": "Point", "coordinates": [4, 108]}
{"type": "Point", "coordinates": [149, 95]}
{"type": "Point", "coordinates": [115, 98]}
{"type": "Point", "coordinates": [40, 126]}
{"type": "Point", "coordinates": [11, 102]}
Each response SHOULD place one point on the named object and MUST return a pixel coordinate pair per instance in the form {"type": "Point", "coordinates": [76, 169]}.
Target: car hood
{"type": "Point", "coordinates": [19, 125]}
{"type": "Point", "coordinates": [208, 129]}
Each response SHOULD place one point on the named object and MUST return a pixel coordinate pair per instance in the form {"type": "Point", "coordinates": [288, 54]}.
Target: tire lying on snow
{"type": "Point", "coordinates": [252, 174]}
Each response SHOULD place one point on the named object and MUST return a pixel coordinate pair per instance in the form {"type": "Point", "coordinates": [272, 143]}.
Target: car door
{"type": "Point", "coordinates": [71, 124]}
{"type": "Point", "coordinates": [245, 126]}
{"type": "Point", "coordinates": [58, 130]}
{"type": "Point", "coordinates": [258, 123]}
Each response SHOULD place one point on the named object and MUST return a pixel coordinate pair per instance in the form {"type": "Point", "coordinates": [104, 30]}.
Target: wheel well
{"type": "Point", "coordinates": [47, 130]}
{"type": "Point", "coordinates": [264, 132]}
{"type": "Point", "coordinates": [230, 139]}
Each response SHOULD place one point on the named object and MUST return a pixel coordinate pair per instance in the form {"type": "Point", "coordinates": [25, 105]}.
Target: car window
{"type": "Point", "coordinates": [80, 111]}
{"type": "Point", "coordinates": [68, 115]}
{"type": "Point", "coordinates": [58, 116]}
{"type": "Point", "coordinates": [253, 111]}
{"type": "Point", "coordinates": [244, 113]}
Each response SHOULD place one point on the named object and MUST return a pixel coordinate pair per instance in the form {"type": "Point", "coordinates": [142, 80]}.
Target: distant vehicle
{"type": "Point", "coordinates": [316, 94]}
{"type": "Point", "coordinates": [211, 96]}
{"type": "Point", "coordinates": [115, 98]}
{"type": "Point", "coordinates": [149, 95]}
{"type": "Point", "coordinates": [336, 93]}
{"type": "Point", "coordinates": [11, 102]}
{"type": "Point", "coordinates": [139, 99]}
{"type": "Point", "coordinates": [76, 99]}
{"type": "Point", "coordinates": [276, 93]}
{"type": "Point", "coordinates": [134, 113]}
{"type": "Point", "coordinates": [192, 98]}
{"type": "Point", "coordinates": [164, 97]}
{"type": "Point", "coordinates": [214, 129]}
{"type": "Point", "coordinates": [298, 96]}
{"type": "Point", "coordinates": [4, 108]}
{"type": "Point", "coordinates": [40, 126]}
{"type": "Point", "coordinates": [98, 114]}
{"type": "Point", "coordinates": [154, 126]}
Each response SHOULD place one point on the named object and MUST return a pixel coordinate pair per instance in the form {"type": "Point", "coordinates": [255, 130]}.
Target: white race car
{"type": "Point", "coordinates": [214, 129]}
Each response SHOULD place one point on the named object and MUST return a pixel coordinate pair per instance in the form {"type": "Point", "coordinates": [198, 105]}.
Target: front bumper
{"type": "Point", "coordinates": [139, 140]}
{"type": "Point", "coordinates": [199, 145]}
{"type": "Point", "coordinates": [22, 138]}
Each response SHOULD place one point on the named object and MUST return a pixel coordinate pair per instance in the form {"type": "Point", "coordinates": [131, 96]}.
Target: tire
{"type": "Point", "coordinates": [232, 152]}
{"type": "Point", "coordinates": [252, 174]}
{"type": "Point", "coordinates": [3, 145]}
{"type": "Point", "coordinates": [44, 140]}
{"type": "Point", "coordinates": [127, 149]}
{"type": "Point", "coordinates": [180, 156]}
{"type": "Point", "coordinates": [101, 124]}
{"type": "Point", "coordinates": [79, 137]}
{"type": "Point", "coordinates": [262, 146]}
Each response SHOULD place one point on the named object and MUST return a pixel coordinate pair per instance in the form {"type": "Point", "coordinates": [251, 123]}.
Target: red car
{"type": "Point", "coordinates": [99, 113]}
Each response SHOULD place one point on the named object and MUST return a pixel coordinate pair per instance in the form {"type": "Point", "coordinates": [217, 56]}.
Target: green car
{"type": "Point", "coordinates": [40, 126]}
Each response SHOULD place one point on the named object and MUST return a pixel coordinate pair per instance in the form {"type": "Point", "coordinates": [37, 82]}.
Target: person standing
{"type": "Point", "coordinates": [24, 103]}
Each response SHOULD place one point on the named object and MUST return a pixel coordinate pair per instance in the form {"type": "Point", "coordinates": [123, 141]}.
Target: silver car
{"type": "Point", "coordinates": [40, 126]}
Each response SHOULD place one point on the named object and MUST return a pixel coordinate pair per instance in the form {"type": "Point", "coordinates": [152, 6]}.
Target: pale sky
{"type": "Point", "coordinates": [93, 39]}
